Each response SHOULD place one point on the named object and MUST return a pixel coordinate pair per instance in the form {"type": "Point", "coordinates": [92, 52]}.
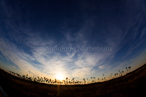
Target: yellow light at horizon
{"type": "Point", "coordinates": [59, 76]}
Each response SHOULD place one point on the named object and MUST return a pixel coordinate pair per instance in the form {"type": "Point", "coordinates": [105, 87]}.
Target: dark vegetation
{"type": "Point", "coordinates": [72, 81]}
{"type": "Point", "coordinates": [132, 84]}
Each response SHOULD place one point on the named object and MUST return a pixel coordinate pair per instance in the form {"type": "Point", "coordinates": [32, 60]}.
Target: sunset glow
{"type": "Point", "coordinates": [72, 39]}
{"type": "Point", "coordinates": [59, 76]}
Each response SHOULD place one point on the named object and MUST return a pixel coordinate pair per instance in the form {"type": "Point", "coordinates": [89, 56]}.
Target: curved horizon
{"type": "Point", "coordinates": [75, 39]}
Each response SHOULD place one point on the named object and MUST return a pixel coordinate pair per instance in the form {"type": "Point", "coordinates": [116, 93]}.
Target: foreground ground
{"type": "Point", "coordinates": [132, 84]}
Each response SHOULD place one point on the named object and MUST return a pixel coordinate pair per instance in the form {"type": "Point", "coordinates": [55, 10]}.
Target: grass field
{"type": "Point", "coordinates": [132, 84]}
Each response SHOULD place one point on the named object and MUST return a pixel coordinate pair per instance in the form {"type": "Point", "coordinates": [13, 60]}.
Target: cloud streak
{"type": "Point", "coordinates": [27, 46]}
{"type": "Point", "coordinates": [50, 62]}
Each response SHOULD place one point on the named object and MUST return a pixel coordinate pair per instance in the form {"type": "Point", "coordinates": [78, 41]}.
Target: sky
{"type": "Point", "coordinates": [76, 38]}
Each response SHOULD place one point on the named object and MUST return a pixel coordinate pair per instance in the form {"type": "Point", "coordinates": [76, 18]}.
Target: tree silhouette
{"type": "Point", "coordinates": [122, 72]}
{"type": "Point", "coordinates": [35, 79]}
{"type": "Point", "coordinates": [73, 80]}
{"type": "Point", "coordinates": [67, 80]}
{"type": "Point", "coordinates": [55, 80]}
{"type": "Point", "coordinates": [91, 79]}
{"type": "Point", "coordinates": [98, 78]}
{"type": "Point", "coordinates": [104, 77]}
{"type": "Point", "coordinates": [84, 80]}
{"type": "Point", "coordinates": [26, 76]}
{"type": "Point", "coordinates": [23, 77]}
{"type": "Point", "coordinates": [18, 75]}
{"type": "Point", "coordinates": [87, 80]}
{"type": "Point", "coordinates": [111, 75]}
{"type": "Point", "coordinates": [129, 68]}
{"type": "Point", "coordinates": [116, 74]}
{"type": "Point", "coordinates": [30, 79]}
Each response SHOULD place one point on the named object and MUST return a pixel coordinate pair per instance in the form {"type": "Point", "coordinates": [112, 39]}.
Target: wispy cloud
{"type": "Point", "coordinates": [35, 52]}
{"type": "Point", "coordinates": [18, 57]}
{"type": "Point", "coordinates": [50, 62]}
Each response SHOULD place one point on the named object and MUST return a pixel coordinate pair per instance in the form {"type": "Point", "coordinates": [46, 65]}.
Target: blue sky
{"type": "Point", "coordinates": [79, 38]}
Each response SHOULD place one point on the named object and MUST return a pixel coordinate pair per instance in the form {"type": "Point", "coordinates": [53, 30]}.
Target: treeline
{"type": "Point", "coordinates": [72, 81]}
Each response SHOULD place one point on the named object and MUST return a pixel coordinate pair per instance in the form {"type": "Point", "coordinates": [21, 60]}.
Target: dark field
{"type": "Point", "coordinates": [132, 84]}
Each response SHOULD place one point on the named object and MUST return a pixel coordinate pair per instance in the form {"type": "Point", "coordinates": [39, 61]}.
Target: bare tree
{"type": "Point", "coordinates": [73, 80]}
{"type": "Point", "coordinates": [67, 80]}
{"type": "Point", "coordinates": [127, 69]}
{"type": "Point", "coordinates": [84, 80]}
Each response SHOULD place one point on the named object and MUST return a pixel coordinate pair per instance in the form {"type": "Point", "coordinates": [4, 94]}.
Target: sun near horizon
{"type": "Point", "coordinates": [59, 76]}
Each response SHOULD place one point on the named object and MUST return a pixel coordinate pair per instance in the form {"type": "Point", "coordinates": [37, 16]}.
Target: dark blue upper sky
{"type": "Point", "coordinates": [79, 38]}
